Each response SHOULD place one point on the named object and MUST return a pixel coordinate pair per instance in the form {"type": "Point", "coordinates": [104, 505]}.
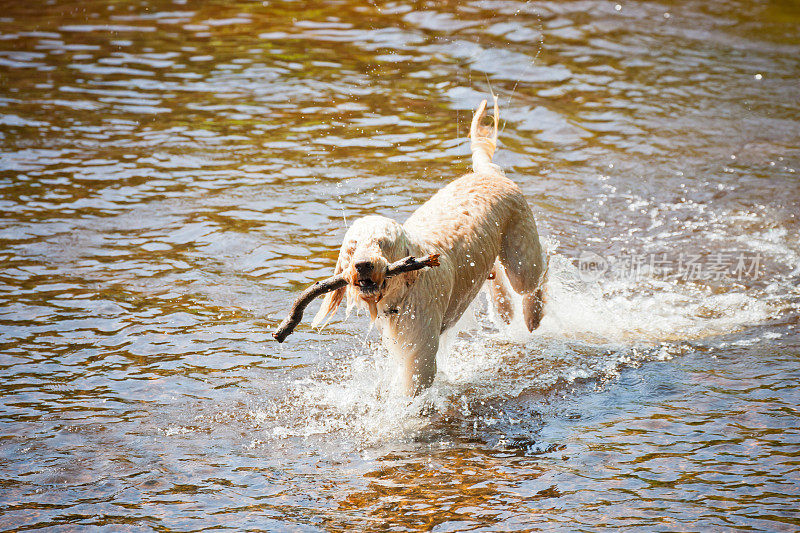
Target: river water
{"type": "Point", "coordinates": [173, 173]}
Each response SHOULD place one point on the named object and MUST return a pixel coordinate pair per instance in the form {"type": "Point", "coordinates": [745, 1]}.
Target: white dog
{"type": "Point", "coordinates": [476, 223]}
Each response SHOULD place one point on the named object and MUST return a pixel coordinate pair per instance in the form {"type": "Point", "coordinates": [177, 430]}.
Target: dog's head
{"type": "Point", "coordinates": [370, 245]}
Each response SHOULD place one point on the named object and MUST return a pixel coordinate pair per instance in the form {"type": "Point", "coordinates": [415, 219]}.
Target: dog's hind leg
{"type": "Point", "coordinates": [525, 264]}
{"type": "Point", "coordinates": [501, 297]}
{"type": "Point", "coordinates": [533, 308]}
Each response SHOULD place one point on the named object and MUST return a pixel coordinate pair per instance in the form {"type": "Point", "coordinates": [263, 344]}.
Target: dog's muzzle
{"type": "Point", "coordinates": [367, 286]}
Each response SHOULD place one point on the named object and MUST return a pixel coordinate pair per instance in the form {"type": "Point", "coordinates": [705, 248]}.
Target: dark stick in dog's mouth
{"type": "Point", "coordinates": [409, 264]}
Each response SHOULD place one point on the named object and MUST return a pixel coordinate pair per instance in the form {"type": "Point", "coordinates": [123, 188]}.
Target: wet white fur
{"type": "Point", "coordinates": [473, 222]}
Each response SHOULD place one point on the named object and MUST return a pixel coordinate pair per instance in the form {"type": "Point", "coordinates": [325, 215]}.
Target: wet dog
{"type": "Point", "coordinates": [481, 226]}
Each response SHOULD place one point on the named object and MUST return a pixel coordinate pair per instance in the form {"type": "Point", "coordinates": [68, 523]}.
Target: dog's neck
{"type": "Point", "coordinates": [417, 246]}
{"type": "Point", "coordinates": [391, 305]}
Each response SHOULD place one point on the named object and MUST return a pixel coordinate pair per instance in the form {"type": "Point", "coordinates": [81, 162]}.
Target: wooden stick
{"type": "Point", "coordinates": [409, 264]}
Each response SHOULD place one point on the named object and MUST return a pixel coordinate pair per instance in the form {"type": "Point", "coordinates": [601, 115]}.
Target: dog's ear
{"type": "Point", "coordinates": [333, 299]}
{"type": "Point", "coordinates": [330, 304]}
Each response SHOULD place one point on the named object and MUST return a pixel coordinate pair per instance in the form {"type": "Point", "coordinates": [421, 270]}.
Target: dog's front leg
{"type": "Point", "coordinates": [413, 340]}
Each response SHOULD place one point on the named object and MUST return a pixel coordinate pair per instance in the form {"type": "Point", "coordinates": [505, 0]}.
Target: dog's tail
{"type": "Point", "coordinates": [483, 140]}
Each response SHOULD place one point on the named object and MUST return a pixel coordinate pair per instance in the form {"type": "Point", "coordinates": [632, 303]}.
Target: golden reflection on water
{"type": "Point", "coordinates": [449, 486]}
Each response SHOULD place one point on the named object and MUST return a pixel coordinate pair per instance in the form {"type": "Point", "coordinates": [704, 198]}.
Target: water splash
{"type": "Point", "coordinates": [591, 331]}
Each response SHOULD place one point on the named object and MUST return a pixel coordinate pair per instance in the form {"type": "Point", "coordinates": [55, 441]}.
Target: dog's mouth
{"type": "Point", "coordinates": [368, 288]}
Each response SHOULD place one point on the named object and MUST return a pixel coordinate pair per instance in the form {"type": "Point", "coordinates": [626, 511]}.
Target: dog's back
{"type": "Point", "coordinates": [477, 219]}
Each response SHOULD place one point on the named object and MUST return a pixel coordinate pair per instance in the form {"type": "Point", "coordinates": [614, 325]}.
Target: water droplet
{"type": "Point", "coordinates": [758, 76]}
{"type": "Point", "coordinates": [472, 263]}
{"type": "Point", "coordinates": [618, 7]}
{"type": "Point", "coordinates": [667, 15]}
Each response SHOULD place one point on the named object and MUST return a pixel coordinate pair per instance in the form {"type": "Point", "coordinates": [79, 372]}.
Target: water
{"type": "Point", "coordinates": [172, 173]}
